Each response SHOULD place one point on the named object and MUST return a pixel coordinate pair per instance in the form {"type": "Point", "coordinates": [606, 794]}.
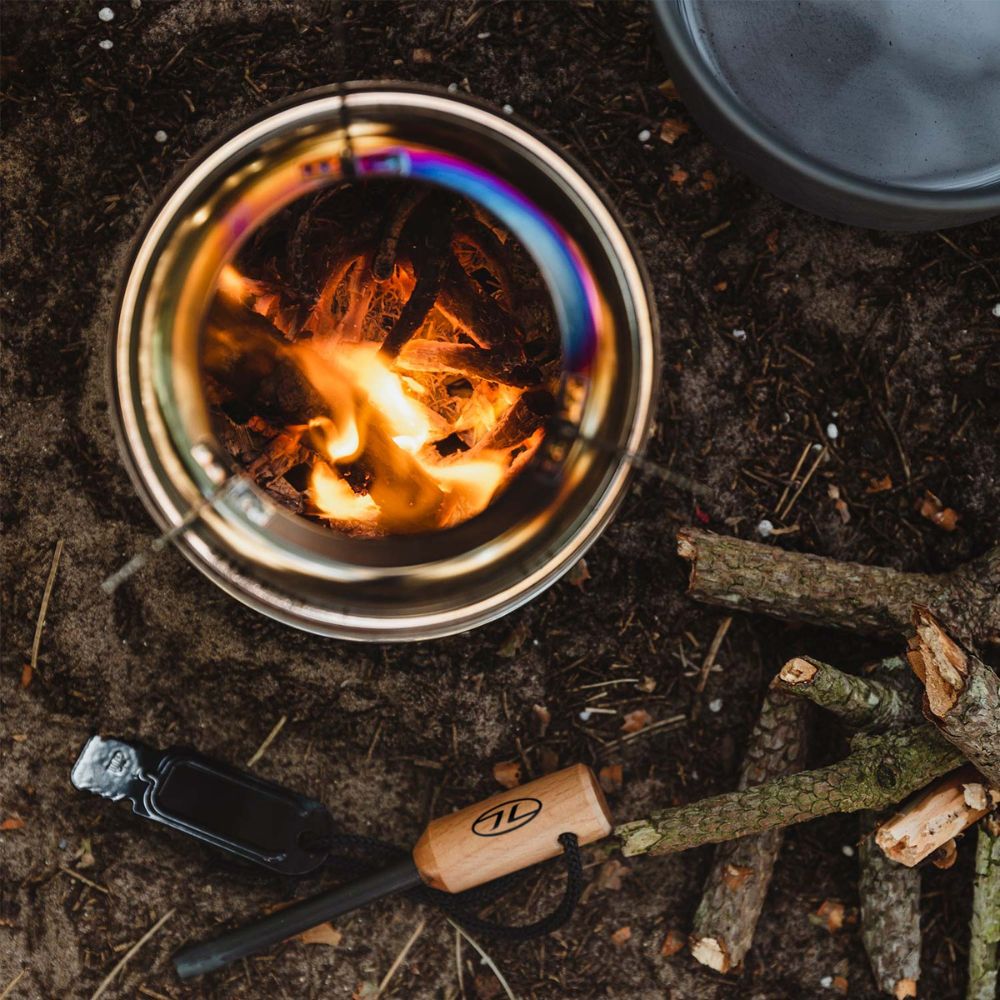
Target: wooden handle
{"type": "Point", "coordinates": [512, 830]}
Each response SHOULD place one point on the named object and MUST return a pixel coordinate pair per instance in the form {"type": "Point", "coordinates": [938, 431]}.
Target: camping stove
{"type": "Point", "coordinates": [382, 584]}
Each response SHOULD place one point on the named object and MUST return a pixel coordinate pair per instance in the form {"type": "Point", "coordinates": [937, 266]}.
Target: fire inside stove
{"type": "Point", "coordinates": [381, 358]}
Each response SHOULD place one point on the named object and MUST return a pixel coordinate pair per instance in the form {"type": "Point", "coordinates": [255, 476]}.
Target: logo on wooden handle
{"type": "Point", "coordinates": [506, 817]}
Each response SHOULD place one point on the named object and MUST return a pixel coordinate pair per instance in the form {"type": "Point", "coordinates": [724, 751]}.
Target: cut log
{"type": "Point", "coordinates": [865, 703]}
{"type": "Point", "coordinates": [387, 243]}
{"type": "Point", "coordinates": [432, 262]}
{"type": "Point", "coordinates": [984, 942]}
{"type": "Point", "coordinates": [890, 916]}
{"type": "Point", "coordinates": [879, 771]}
{"type": "Point", "coordinates": [934, 817]}
{"type": "Point", "coordinates": [475, 313]}
{"type": "Point", "coordinates": [961, 693]}
{"type": "Point", "coordinates": [750, 576]}
{"type": "Point", "coordinates": [470, 232]}
{"type": "Point", "coordinates": [737, 884]}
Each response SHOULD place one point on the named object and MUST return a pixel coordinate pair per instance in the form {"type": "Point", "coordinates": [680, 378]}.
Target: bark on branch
{"type": "Point", "coordinates": [984, 943]}
{"type": "Point", "coordinates": [749, 576]}
{"type": "Point", "coordinates": [961, 693]}
{"type": "Point", "coordinates": [890, 916]}
{"type": "Point", "coordinates": [879, 771]}
{"type": "Point", "coordinates": [870, 704]}
{"type": "Point", "coordinates": [737, 885]}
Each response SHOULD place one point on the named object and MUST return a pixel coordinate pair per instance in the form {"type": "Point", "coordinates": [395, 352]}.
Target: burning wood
{"type": "Point", "coordinates": [405, 400]}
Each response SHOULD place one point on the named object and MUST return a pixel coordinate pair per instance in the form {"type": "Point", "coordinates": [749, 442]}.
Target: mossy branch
{"type": "Point", "coordinates": [879, 771]}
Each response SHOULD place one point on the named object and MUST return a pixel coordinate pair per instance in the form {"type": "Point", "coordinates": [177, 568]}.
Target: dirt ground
{"type": "Point", "coordinates": [890, 337]}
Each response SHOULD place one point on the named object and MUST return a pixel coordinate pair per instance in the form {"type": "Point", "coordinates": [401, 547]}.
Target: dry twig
{"type": "Point", "coordinates": [110, 977]}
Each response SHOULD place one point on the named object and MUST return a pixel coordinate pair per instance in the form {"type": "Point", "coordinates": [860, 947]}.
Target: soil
{"type": "Point", "coordinates": [891, 338]}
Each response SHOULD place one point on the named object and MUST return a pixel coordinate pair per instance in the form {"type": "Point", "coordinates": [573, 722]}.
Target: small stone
{"type": "Point", "coordinates": [832, 432]}
{"type": "Point", "coordinates": [106, 14]}
{"type": "Point", "coordinates": [645, 135]}
{"type": "Point", "coordinates": [817, 447]}
{"type": "Point", "coordinates": [105, 43]}
{"type": "Point", "coordinates": [585, 715]}
{"type": "Point", "coordinates": [507, 109]}
{"type": "Point", "coordinates": [452, 88]}
{"type": "Point", "coordinates": [826, 982]}
{"type": "Point", "coordinates": [765, 529]}
{"type": "Point", "coordinates": [996, 310]}
{"type": "Point", "coordinates": [63, 844]}
{"type": "Point", "coordinates": [483, 35]}
{"type": "Point", "coordinates": [847, 851]}
{"type": "Point", "coordinates": [715, 705]}
{"type": "Point", "coordinates": [160, 136]}
{"type": "Point", "coordinates": [739, 334]}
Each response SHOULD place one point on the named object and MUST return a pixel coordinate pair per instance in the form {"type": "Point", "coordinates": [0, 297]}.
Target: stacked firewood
{"type": "Point", "coordinates": [929, 724]}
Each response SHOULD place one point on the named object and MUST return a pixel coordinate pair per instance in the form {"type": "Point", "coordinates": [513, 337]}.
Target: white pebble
{"type": "Point", "coordinates": [817, 447]}
{"type": "Point", "coordinates": [452, 88]}
{"type": "Point", "coordinates": [715, 705]}
{"type": "Point", "coordinates": [996, 310]}
{"type": "Point", "coordinates": [483, 35]}
{"type": "Point", "coordinates": [739, 334]}
{"type": "Point", "coordinates": [847, 851]}
{"type": "Point", "coordinates": [105, 43]}
{"type": "Point", "coordinates": [507, 109]}
{"type": "Point", "coordinates": [645, 135]}
{"type": "Point", "coordinates": [585, 715]}
{"type": "Point", "coordinates": [106, 14]}
{"type": "Point", "coordinates": [160, 136]}
{"type": "Point", "coordinates": [826, 982]}
{"type": "Point", "coordinates": [765, 529]}
{"type": "Point", "coordinates": [832, 432]}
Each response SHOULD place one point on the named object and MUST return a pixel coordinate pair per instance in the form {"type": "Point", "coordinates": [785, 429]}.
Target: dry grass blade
{"type": "Point", "coordinates": [43, 610]}
{"type": "Point", "coordinates": [268, 740]}
{"type": "Point", "coordinates": [487, 961]}
{"type": "Point", "coordinates": [110, 977]}
{"type": "Point", "coordinates": [9, 988]}
{"type": "Point", "coordinates": [400, 958]}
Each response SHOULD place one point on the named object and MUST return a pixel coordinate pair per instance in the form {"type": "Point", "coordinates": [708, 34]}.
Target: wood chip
{"type": "Point", "coordinates": [669, 90]}
{"type": "Point", "coordinates": [937, 513]}
{"type": "Point", "coordinates": [621, 936]}
{"type": "Point", "coordinates": [879, 485]}
{"type": "Point", "coordinates": [508, 773]}
{"type": "Point", "coordinates": [678, 176]}
{"type": "Point", "coordinates": [610, 778]}
{"type": "Point", "coordinates": [672, 129]}
{"type": "Point", "coordinates": [830, 915]}
{"type": "Point", "coordinates": [12, 823]}
{"type": "Point", "coordinates": [324, 933]}
{"type": "Point", "coordinates": [672, 943]}
{"type": "Point", "coordinates": [636, 720]}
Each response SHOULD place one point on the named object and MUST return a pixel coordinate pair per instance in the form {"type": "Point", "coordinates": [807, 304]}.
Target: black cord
{"type": "Point", "coordinates": [361, 855]}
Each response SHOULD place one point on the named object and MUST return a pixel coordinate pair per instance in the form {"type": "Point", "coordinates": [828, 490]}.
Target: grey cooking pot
{"type": "Point", "coordinates": [877, 113]}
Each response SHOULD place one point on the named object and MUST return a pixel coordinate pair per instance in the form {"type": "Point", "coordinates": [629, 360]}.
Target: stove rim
{"type": "Point", "coordinates": [219, 565]}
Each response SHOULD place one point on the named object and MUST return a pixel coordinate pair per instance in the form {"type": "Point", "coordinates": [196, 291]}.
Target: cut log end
{"type": "Point", "coordinates": [927, 823]}
{"type": "Point", "coordinates": [938, 661]}
{"type": "Point", "coordinates": [798, 671]}
{"type": "Point", "coordinates": [711, 952]}
{"type": "Point", "coordinates": [905, 988]}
